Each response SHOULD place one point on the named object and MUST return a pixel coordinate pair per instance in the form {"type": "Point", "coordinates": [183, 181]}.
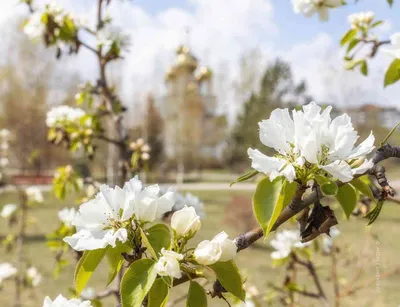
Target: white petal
{"type": "Point", "coordinates": [363, 168]}
{"type": "Point", "coordinates": [364, 148]}
{"type": "Point", "coordinates": [263, 163]}
{"type": "Point", "coordinates": [340, 170]}
{"type": "Point", "coordinates": [289, 172]}
{"type": "Point", "coordinates": [87, 240]}
{"type": "Point", "coordinates": [165, 204]}
{"type": "Point", "coordinates": [111, 237]}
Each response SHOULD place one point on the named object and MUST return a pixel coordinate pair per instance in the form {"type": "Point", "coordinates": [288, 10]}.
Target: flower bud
{"type": "Point", "coordinates": [220, 248]}
{"type": "Point", "coordinates": [145, 156]}
{"type": "Point", "coordinates": [140, 142]}
{"type": "Point", "coordinates": [185, 222]}
{"type": "Point", "coordinates": [168, 264]}
{"type": "Point", "coordinates": [146, 148]}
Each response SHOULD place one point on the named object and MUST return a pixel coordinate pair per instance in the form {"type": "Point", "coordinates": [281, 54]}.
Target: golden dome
{"type": "Point", "coordinates": [170, 74]}
{"type": "Point", "coordinates": [186, 58]}
{"type": "Point", "coordinates": [205, 73]}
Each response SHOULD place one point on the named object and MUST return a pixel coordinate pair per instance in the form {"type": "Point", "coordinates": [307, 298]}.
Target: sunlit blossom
{"type": "Point", "coordinates": [311, 143]}
{"type": "Point", "coordinates": [310, 7]}
{"type": "Point", "coordinates": [285, 242]}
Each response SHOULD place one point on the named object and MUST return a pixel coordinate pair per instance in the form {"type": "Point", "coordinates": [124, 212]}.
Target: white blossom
{"type": "Point", "coordinates": [313, 137]}
{"type": "Point", "coordinates": [168, 264]}
{"type": "Point", "coordinates": [34, 194]}
{"type": "Point", "coordinates": [361, 20]}
{"type": "Point", "coordinates": [327, 241]}
{"type": "Point", "coordinates": [5, 134]}
{"type": "Point", "coordinates": [33, 276]}
{"type": "Point", "coordinates": [110, 35]}
{"type": "Point", "coordinates": [395, 42]}
{"type": "Point", "coordinates": [310, 7]}
{"type": "Point", "coordinates": [185, 221]}
{"type": "Point", "coordinates": [4, 161]}
{"type": "Point", "coordinates": [35, 28]}
{"type": "Point", "coordinates": [102, 221]}
{"type": "Point", "coordinates": [88, 293]}
{"type": "Point", "coordinates": [62, 114]}
{"type": "Point", "coordinates": [190, 200]}
{"type": "Point", "coordinates": [61, 301]}
{"type": "Point", "coordinates": [67, 215]}
{"type": "Point", "coordinates": [285, 242]}
{"type": "Point", "coordinates": [8, 210]}
{"type": "Point", "coordinates": [6, 270]}
{"type": "Point", "coordinates": [220, 248]}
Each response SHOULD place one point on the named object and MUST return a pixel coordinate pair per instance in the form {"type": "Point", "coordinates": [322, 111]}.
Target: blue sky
{"type": "Point", "coordinates": [295, 28]}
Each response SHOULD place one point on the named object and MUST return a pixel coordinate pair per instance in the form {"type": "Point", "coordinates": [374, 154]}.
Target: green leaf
{"type": "Point", "coordinates": [264, 200]}
{"type": "Point", "coordinates": [196, 296]}
{"type": "Point", "coordinates": [373, 214]}
{"type": "Point", "coordinates": [155, 238]}
{"type": "Point", "coordinates": [390, 2]}
{"type": "Point", "coordinates": [328, 186]}
{"type": "Point", "coordinates": [389, 135]}
{"type": "Point", "coordinates": [364, 68]}
{"type": "Point", "coordinates": [115, 260]}
{"type": "Point", "coordinates": [362, 187]}
{"type": "Point", "coordinates": [392, 74]}
{"type": "Point", "coordinates": [377, 23]}
{"type": "Point", "coordinates": [137, 282]}
{"type": "Point", "coordinates": [347, 198]}
{"type": "Point", "coordinates": [354, 42]}
{"type": "Point", "coordinates": [229, 277]}
{"type": "Point", "coordinates": [348, 36]}
{"type": "Point", "coordinates": [285, 196]}
{"type": "Point", "coordinates": [86, 266]}
{"type": "Point", "coordinates": [159, 293]}
{"type": "Point", "coordinates": [352, 64]}
{"type": "Point", "coordinates": [244, 177]}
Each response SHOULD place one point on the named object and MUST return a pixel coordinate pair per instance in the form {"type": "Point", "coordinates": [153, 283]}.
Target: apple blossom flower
{"type": "Point", "coordinates": [361, 20]}
{"type": "Point", "coordinates": [67, 215]}
{"type": "Point", "coordinates": [34, 194]}
{"type": "Point", "coordinates": [185, 222]}
{"type": "Point", "coordinates": [327, 241]}
{"type": "Point", "coordinates": [395, 42]}
{"type": "Point", "coordinates": [62, 114]}
{"type": "Point", "coordinates": [285, 242]}
{"type": "Point", "coordinates": [35, 28]}
{"type": "Point", "coordinates": [189, 200]}
{"type": "Point", "coordinates": [112, 35]}
{"type": "Point", "coordinates": [168, 264]}
{"type": "Point", "coordinates": [6, 270]}
{"type": "Point", "coordinates": [310, 144]}
{"type": "Point", "coordinates": [220, 248]}
{"type": "Point", "coordinates": [103, 220]}
{"type": "Point", "coordinates": [61, 301]}
{"type": "Point", "coordinates": [309, 7]}
{"type": "Point", "coordinates": [33, 276]}
{"type": "Point", "coordinates": [8, 210]}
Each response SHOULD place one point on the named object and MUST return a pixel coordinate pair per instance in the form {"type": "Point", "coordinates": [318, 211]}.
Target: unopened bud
{"type": "Point", "coordinates": [145, 156]}
{"type": "Point", "coordinates": [133, 145]}
{"type": "Point", "coordinates": [140, 142]}
{"type": "Point", "coordinates": [146, 148]}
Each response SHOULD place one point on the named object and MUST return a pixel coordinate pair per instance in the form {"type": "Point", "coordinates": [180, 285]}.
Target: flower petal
{"type": "Point", "coordinates": [363, 168]}
{"type": "Point", "coordinates": [340, 170]}
{"type": "Point", "coordinates": [364, 148]}
{"type": "Point", "coordinates": [263, 163]}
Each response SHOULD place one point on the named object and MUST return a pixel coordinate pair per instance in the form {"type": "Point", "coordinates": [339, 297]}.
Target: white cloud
{"type": "Point", "coordinates": [219, 35]}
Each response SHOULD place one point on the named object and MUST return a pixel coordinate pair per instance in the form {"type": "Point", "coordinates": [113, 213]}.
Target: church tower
{"type": "Point", "coordinates": [189, 110]}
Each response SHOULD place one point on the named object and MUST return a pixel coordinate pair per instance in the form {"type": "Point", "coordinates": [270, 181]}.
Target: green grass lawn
{"type": "Point", "coordinates": [355, 240]}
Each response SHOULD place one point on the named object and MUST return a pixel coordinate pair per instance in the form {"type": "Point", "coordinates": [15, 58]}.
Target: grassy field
{"type": "Point", "coordinates": [378, 246]}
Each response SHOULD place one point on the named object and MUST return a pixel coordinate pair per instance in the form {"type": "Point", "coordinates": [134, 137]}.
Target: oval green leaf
{"type": "Point", "coordinates": [347, 198]}
{"type": "Point", "coordinates": [264, 201]}
{"type": "Point", "coordinates": [197, 296]}
{"type": "Point", "coordinates": [115, 260]}
{"type": "Point", "coordinates": [137, 282]}
{"type": "Point", "coordinates": [362, 187]}
{"type": "Point", "coordinates": [392, 74]}
{"type": "Point", "coordinates": [159, 293]}
{"type": "Point", "coordinates": [86, 266]}
{"type": "Point", "coordinates": [156, 238]}
{"type": "Point", "coordinates": [229, 277]}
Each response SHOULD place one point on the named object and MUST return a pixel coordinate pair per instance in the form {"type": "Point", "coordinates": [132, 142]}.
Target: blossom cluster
{"type": "Point", "coordinates": [395, 42]}
{"type": "Point", "coordinates": [311, 144]}
{"type": "Point", "coordinates": [113, 39]}
{"type": "Point", "coordinates": [61, 301]}
{"type": "Point", "coordinates": [310, 7]}
{"type": "Point", "coordinates": [285, 242]}
{"type": "Point", "coordinates": [6, 271]}
{"type": "Point", "coordinates": [361, 20]}
{"type": "Point", "coordinates": [115, 214]}
{"type": "Point", "coordinates": [61, 114]}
